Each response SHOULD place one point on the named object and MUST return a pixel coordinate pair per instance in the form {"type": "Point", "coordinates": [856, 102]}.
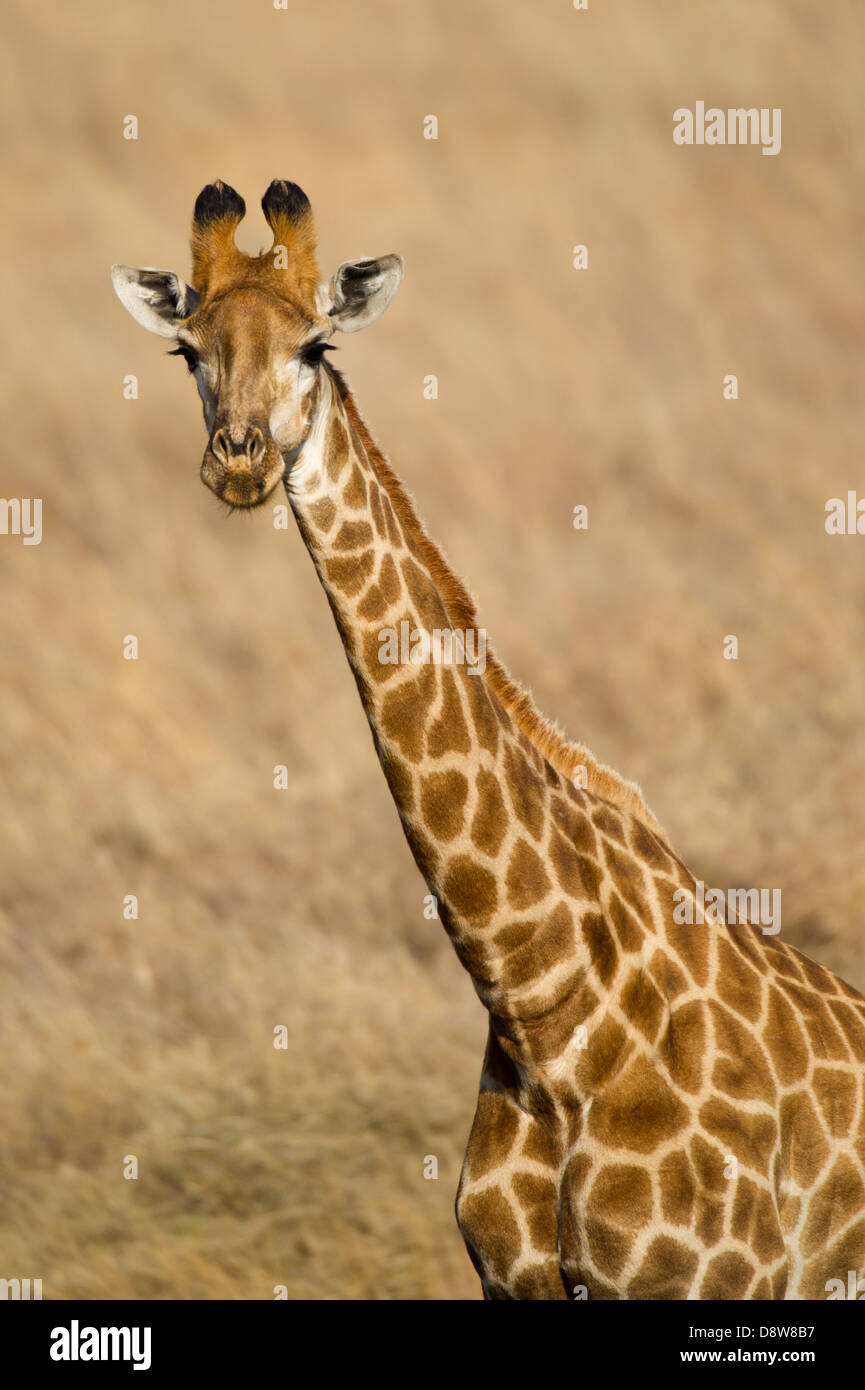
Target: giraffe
{"type": "Point", "coordinates": [665, 1111]}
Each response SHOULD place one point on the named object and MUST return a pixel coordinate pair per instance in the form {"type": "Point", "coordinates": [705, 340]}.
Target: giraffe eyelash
{"type": "Point", "coordinates": [313, 353]}
{"type": "Point", "coordinates": [189, 355]}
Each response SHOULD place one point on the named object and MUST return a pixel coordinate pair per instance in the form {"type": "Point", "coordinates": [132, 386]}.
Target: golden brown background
{"type": "Point", "coordinates": [557, 387]}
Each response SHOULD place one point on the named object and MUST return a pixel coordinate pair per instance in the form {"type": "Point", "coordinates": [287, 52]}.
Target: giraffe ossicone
{"type": "Point", "coordinates": [666, 1110]}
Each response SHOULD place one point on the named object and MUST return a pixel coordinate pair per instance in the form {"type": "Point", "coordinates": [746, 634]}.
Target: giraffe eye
{"type": "Point", "coordinates": [313, 353]}
{"type": "Point", "coordinates": [189, 355]}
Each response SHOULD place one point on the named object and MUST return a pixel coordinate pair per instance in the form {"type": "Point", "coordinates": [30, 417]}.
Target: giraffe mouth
{"type": "Point", "coordinates": [242, 492]}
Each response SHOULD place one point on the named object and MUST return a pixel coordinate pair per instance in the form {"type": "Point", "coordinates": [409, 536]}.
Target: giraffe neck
{"type": "Point", "coordinates": [470, 786]}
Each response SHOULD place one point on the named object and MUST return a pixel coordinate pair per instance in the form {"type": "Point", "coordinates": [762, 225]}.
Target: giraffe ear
{"type": "Point", "coordinates": [157, 299]}
{"type": "Point", "coordinates": [360, 291]}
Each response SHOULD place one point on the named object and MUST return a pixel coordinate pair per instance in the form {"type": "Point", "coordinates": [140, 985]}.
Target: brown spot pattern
{"type": "Point", "coordinates": [470, 888]}
{"type": "Point", "coordinates": [487, 1223]}
{"type": "Point", "coordinates": [526, 880]}
{"type": "Point", "coordinates": [449, 733]}
{"type": "Point", "coordinates": [442, 801]}
{"type": "Point", "coordinates": [490, 818]}
{"type": "Point", "coordinates": [666, 1272]}
{"type": "Point", "coordinates": [637, 1111]}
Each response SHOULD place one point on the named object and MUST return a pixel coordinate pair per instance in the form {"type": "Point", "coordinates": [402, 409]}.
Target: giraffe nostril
{"type": "Point", "coordinates": [219, 446]}
{"type": "Point", "coordinates": [256, 446]}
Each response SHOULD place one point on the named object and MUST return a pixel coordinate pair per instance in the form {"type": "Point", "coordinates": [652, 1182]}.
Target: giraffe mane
{"type": "Point", "coordinates": [543, 733]}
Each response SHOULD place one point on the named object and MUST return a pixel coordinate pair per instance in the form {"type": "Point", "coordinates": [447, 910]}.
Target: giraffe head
{"type": "Point", "coordinates": [254, 330]}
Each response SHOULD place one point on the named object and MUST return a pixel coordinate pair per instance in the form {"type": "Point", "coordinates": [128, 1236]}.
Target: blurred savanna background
{"type": "Point", "coordinates": [557, 387]}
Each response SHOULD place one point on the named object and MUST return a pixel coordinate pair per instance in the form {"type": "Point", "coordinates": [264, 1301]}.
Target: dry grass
{"type": "Point", "coordinates": [303, 908]}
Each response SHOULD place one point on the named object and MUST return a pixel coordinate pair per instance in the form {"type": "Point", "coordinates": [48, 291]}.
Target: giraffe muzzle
{"type": "Point", "coordinates": [244, 471]}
